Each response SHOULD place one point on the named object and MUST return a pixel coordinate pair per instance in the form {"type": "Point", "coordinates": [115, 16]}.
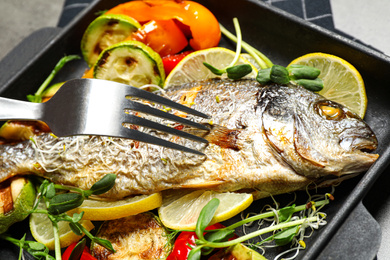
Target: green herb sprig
{"type": "Point", "coordinates": [37, 97]}
{"type": "Point", "coordinates": [233, 71]}
{"type": "Point", "coordinates": [305, 76]}
{"type": "Point", "coordinates": [58, 200]}
{"type": "Point", "coordinates": [302, 75]}
{"type": "Point", "coordinates": [286, 229]}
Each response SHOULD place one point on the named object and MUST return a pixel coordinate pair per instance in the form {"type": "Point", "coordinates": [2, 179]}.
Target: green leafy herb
{"type": "Point", "coordinates": [64, 202]}
{"type": "Point", "coordinates": [311, 84]}
{"type": "Point", "coordinates": [103, 185]}
{"type": "Point", "coordinates": [286, 229]}
{"type": "Point", "coordinates": [37, 97]}
{"type": "Point", "coordinates": [303, 72]}
{"type": "Point", "coordinates": [233, 71]}
{"type": "Point", "coordinates": [205, 217]}
{"type": "Point", "coordinates": [286, 236]}
{"type": "Point", "coordinates": [35, 249]}
{"type": "Point", "coordinates": [78, 250]}
{"type": "Point", "coordinates": [279, 74]}
{"type": "Point", "coordinates": [57, 205]}
{"type": "Point", "coordinates": [304, 76]}
{"type": "Point", "coordinates": [238, 71]}
{"type": "Point", "coordinates": [264, 76]}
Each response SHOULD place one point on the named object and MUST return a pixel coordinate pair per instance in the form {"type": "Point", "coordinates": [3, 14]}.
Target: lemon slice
{"type": "Point", "coordinates": [191, 68]}
{"type": "Point", "coordinates": [42, 230]}
{"type": "Point", "coordinates": [108, 210]}
{"type": "Point", "coordinates": [342, 82]}
{"type": "Point", "coordinates": [181, 210]}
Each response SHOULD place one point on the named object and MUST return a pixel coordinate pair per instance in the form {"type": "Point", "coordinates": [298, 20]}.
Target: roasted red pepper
{"type": "Point", "coordinates": [191, 17]}
{"type": "Point", "coordinates": [181, 249]}
{"type": "Point", "coordinates": [85, 255]}
{"type": "Point", "coordinates": [171, 61]}
{"type": "Point", "coordinates": [163, 36]}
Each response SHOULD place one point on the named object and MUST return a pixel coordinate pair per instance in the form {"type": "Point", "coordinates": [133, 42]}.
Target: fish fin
{"type": "Point", "coordinates": [218, 135]}
{"type": "Point", "coordinates": [223, 137]}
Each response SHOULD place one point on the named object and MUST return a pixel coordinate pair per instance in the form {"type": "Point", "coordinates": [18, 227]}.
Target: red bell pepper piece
{"type": "Point", "coordinates": [86, 255]}
{"type": "Point", "coordinates": [181, 247]}
{"type": "Point", "coordinates": [171, 61]}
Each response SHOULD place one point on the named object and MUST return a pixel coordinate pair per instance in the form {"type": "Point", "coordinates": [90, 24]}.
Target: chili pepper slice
{"type": "Point", "coordinates": [203, 25]}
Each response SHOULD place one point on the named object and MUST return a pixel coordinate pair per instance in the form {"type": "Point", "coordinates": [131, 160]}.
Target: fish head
{"type": "Point", "coordinates": [315, 136]}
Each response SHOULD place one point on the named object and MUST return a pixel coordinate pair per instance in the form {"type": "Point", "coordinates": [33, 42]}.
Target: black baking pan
{"type": "Point", "coordinates": [282, 37]}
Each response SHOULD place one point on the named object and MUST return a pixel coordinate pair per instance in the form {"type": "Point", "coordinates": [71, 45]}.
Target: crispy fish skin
{"type": "Point", "coordinates": [273, 139]}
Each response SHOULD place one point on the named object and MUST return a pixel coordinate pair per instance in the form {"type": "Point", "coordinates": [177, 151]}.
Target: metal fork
{"type": "Point", "coordinates": [97, 107]}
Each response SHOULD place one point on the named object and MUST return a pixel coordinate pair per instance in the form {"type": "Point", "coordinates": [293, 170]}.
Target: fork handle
{"type": "Point", "coordinates": [19, 110]}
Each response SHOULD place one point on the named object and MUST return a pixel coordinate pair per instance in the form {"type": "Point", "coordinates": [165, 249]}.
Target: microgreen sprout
{"type": "Point", "coordinates": [262, 60]}
{"type": "Point", "coordinates": [37, 97]}
{"type": "Point", "coordinates": [233, 71]}
{"type": "Point", "coordinates": [59, 199]}
{"type": "Point", "coordinates": [286, 227]}
{"type": "Point", "coordinates": [302, 75]}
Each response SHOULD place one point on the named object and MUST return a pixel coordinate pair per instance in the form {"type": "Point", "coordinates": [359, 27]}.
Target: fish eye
{"type": "Point", "coordinates": [330, 111]}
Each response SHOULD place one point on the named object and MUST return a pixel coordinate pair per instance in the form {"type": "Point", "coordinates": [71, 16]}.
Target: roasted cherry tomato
{"type": "Point", "coordinates": [163, 36]}
{"type": "Point", "coordinates": [171, 61]}
{"type": "Point", "coordinates": [181, 247]}
{"type": "Point", "coordinates": [85, 255]}
{"type": "Point", "coordinates": [202, 24]}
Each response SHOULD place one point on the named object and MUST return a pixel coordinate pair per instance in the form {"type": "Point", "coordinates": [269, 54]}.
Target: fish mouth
{"type": "Point", "coordinates": [362, 139]}
{"type": "Point", "coordinates": [363, 144]}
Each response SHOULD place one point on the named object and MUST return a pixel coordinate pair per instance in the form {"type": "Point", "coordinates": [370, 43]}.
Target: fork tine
{"type": "Point", "coordinates": [146, 138]}
{"type": "Point", "coordinates": [143, 94]}
{"type": "Point", "coordinates": [132, 119]}
{"type": "Point", "coordinates": [136, 106]}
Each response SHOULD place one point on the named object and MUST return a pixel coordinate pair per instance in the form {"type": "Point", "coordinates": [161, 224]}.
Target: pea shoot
{"type": "Point", "coordinates": [37, 97]}
{"type": "Point", "coordinates": [302, 75]}
{"type": "Point", "coordinates": [285, 230]}
{"type": "Point", "coordinates": [233, 71]}
{"type": "Point", "coordinates": [58, 200]}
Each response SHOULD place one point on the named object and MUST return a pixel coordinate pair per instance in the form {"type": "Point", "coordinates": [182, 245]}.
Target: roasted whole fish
{"type": "Point", "coordinates": [270, 139]}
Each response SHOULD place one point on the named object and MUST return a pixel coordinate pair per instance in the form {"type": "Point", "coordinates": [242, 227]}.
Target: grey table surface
{"type": "Point", "coordinates": [366, 21]}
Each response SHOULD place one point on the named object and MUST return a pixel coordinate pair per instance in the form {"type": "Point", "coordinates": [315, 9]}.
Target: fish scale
{"type": "Point", "coordinates": [262, 138]}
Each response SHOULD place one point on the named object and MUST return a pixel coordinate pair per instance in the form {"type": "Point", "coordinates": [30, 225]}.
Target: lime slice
{"type": "Point", "coordinates": [42, 230]}
{"type": "Point", "coordinates": [105, 31]}
{"type": "Point", "coordinates": [132, 63]}
{"type": "Point", "coordinates": [18, 195]}
{"type": "Point", "coordinates": [108, 210]}
{"type": "Point", "coordinates": [191, 68]}
{"type": "Point", "coordinates": [181, 211]}
{"type": "Point", "coordinates": [342, 82]}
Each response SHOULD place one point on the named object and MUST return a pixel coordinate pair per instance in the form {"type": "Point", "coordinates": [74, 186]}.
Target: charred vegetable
{"type": "Point", "coordinates": [135, 237]}
{"type": "Point", "coordinates": [105, 31]}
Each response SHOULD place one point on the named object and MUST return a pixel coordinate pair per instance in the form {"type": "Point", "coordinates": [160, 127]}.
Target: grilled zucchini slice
{"type": "Point", "coordinates": [105, 31]}
{"type": "Point", "coordinates": [132, 63]}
